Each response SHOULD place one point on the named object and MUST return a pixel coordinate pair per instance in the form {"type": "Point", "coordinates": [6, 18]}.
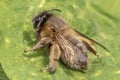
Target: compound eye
{"type": "Point", "coordinates": [39, 19]}
{"type": "Point", "coordinates": [43, 16]}
{"type": "Point", "coordinates": [35, 23]}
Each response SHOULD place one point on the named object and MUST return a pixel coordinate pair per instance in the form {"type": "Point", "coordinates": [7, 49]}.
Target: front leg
{"type": "Point", "coordinates": [54, 57]}
{"type": "Point", "coordinates": [43, 41]}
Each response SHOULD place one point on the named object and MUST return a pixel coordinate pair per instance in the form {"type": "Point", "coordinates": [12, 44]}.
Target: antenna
{"type": "Point", "coordinates": [54, 10]}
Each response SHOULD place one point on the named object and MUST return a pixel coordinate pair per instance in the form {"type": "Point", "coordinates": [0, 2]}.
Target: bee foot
{"type": "Point", "coordinates": [25, 51]}
{"type": "Point", "coordinates": [45, 68]}
{"type": "Point", "coordinates": [97, 56]}
{"type": "Point", "coordinates": [51, 70]}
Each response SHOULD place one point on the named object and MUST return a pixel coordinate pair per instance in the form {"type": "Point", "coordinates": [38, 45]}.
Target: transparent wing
{"type": "Point", "coordinates": [88, 40]}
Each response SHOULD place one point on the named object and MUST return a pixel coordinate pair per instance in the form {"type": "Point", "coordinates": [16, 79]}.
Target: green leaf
{"type": "Point", "coordinates": [99, 20]}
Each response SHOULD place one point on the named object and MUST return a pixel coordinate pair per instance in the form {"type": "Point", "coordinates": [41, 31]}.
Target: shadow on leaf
{"type": "Point", "coordinates": [30, 41]}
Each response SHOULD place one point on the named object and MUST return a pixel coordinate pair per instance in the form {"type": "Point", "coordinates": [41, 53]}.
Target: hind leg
{"type": "Point", "coordinates": [54, 57]}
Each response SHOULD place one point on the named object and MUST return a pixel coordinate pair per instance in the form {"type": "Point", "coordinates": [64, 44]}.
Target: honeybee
{"type": "Point", "coordinates": [64, 42]}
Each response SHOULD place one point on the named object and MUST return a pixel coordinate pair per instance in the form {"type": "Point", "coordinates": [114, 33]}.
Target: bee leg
{"type": "Point", "coordinates": [40, 44]}
{"type": "Point", "coordinates": [91, 49]}
{"type": "Point", "coordinates": [54, 57]}
{"type": "Point", "coordinates": [37, 46]}
{"type": "Point", "coordinates": [45, 68]}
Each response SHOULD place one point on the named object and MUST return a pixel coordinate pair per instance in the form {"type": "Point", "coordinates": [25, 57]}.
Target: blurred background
{"type": "Point", "coordinates": [98, 19]}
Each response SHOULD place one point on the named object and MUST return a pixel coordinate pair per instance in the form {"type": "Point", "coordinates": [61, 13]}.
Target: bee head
{"type": "Point", "coordinates": [41, 18]}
